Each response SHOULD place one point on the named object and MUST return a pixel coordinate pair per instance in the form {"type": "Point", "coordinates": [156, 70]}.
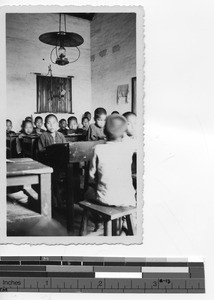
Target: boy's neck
{"type": "Point", "coordinates": [52, 133]}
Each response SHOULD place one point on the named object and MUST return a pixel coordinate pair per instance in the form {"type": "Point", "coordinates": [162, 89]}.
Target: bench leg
{"type": "Point", "coordinates": [116, 227]}
{"type": "Point", "coordinates": [107, 228]}
{"type": "Point", "coordinates": [129, 225]}
{"type": "Point", "coordinates": [119, 226]}
{"type": "Point", "coordinates": [84, 224]}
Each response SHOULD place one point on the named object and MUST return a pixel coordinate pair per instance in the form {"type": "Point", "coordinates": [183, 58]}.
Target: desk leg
{"type": "Point", "coordinates": [129, 224]}
{"type": "Point", "coordinates": [45, 195]}
{"type": "Point", "coordinates": [70, 198]}
{"type": "Point", "coordinates": [116, 227]}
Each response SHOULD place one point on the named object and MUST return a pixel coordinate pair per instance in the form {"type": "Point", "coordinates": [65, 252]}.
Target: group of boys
{"type": "Point", "coordinates": [110, 175]}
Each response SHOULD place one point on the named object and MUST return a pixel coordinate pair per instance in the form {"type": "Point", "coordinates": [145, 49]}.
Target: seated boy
{"type": "Point", "coordinates": [28, 118]}
{"type": "Point", "coordinates": [51, 136]}
{"type": "Point", "coordinates": [72, 125]}
{"type": "Point", "coordinates": [115, 112]}
{"type": "Point", "coordinates": [9, 126]}
{"type": "Point", "coordinates": [47, 138]}
{"type": "Point", "coordinates": [130, 140]}
{"type": "Point", "coordinates": [87, 114]}
{"type": "Point", "coordinates": [85, 123]}
{"type": "Point", "coordinates": [38, 123]}
{"type": "Point", "coordinates": [96, 130]}
{"type": "Point", "coordinates": [27, 129]}
{"type": "Point", "coordinates": [62, 127]}
{"type": "Point", "coordinates": [131, 124]}
{"type": "Point", "coordinates": [110, 177]}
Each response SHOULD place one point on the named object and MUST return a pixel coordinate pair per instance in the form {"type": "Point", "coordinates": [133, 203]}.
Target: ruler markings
{"type": "Point", "coordinates": [91, 274]}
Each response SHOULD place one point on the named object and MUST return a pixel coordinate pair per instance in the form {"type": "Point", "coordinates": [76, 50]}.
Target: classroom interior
{"type": "Point", "coordinates": [101, 73]}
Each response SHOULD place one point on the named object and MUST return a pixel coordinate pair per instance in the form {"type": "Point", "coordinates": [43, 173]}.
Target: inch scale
{"type": "Point", "coordinates": [101, 275]}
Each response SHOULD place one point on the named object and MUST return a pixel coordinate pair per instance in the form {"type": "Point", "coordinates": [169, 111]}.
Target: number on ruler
{"type": "Point", "coordinates": [155, 284]}
{"type": "Point", "coordinates": [165, 281]}
{"type": "Point", "coordinates": [100, 283]}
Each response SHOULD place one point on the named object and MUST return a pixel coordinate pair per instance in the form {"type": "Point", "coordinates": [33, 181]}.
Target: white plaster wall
{"type": "Point", "coordinates": [26, 55]}
{"type": "Point", "coordinates": [113, 69]}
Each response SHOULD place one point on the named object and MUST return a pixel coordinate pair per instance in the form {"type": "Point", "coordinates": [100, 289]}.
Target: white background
{"type": "Point", "coordinates": [179, 143]}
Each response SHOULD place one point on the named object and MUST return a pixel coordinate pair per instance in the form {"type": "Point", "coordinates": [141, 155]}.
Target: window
{"type": "Point", "coordinates": [54, 94]}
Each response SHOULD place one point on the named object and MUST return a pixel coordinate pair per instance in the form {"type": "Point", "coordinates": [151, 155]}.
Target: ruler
{"type": "Point", "coordinates": [71, 274]}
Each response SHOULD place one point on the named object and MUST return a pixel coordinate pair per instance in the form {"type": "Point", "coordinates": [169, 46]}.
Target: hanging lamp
{"type": "Point", "coordinates": [61, 40]}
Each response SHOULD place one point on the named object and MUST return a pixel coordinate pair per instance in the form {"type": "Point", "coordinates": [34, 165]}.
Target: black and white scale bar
{"type": "Point", "coordinates": [101, 274]}
{"type": "Point", "coordinates": [93, 285]}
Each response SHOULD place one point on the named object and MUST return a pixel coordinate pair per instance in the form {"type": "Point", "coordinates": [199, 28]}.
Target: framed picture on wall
{"type": "Point", "coordinates": [54, 94]}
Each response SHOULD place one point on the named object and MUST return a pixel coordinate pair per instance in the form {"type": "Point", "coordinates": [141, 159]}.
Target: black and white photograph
{"type": "Point", "coordinates": [74, 126]}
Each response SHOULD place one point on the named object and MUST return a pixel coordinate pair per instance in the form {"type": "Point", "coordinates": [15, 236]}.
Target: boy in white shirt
{"type": "Point", "coordinates": [110, 177]}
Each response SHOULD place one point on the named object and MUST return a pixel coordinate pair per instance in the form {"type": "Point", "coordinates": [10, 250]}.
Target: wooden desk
{"type": "Point", "coordinates": [11, 146]}
{"type": "Point", "coordinates": [26, 171]}
{"type": "Point", "coordinates": [75, 137]}
{"type": "Point", "coordinates": [78, 152]}
{"type": "Point", "coordinates": [29, 146]}
{"type": "Point", "coordinates": [67, 157]}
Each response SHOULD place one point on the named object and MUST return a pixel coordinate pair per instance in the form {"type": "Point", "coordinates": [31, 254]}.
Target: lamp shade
{"type": "Point", "coordinates": [61, 38]}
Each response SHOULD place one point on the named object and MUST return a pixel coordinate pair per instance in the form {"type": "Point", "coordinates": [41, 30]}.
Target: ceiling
{"type": "Point", "coordinates": [87, 16]}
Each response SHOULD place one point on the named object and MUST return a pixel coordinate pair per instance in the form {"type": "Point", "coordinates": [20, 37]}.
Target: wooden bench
{"type": "Point", "coordinates": [112, 217]}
